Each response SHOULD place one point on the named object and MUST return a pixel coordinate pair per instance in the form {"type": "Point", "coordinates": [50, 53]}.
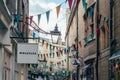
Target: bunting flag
{"type": "Point", "coordinates": [31, 19]}
{"type": "Point", "coordinates": [83, 2]}
{"type": "Point", "coordinates": [47, 15]}
{"type": "Point", "coordinates": [65, 60]}
{"type": "Point", "coordinates": [33, 35]}
{"type": "Point", "coordinates": [50, 46]}
{"type": "Point", "coordinates": [98, 32]}
{"type": "Point", "coordinates": [46, 45]}
{"type": "Point", "coordinates": [92, 36]}
{"type": "Point", "coordinates": [106, 26]}
{"type": "Point", "coordinates": [46, 55]}
{"type": "Point", "coordinates": [91, 12]}
{"type": "Point", "coordinates": [42, 42]}
{"type": "Point", "coordinates": [17, 19]}
{"type": "Point", "coordinates": [38, 39]}
{"type": "Point", "coordinates": [68, 49]}
{"type": "Point", "coordinates": [56, 48]}
{"type": "Point", "coordinates": [50, 55]}
{"type": "Point", "coordinates": [53, 48]}
{"type": "Point", "coordinates": [61, 52]}
{"type": "Point", "coordinates": [50, 68]}
{"type": "Point", "coordinates": [59, 62]}
{"type": "Point", "coordinates": [66, 1]}
{"type": "Point", "coordinates": [58, 10]}
{"type": "Point", "coordinates": [86, 40]}
{"type": "Point", "coordinates": [28, 31]}
{"type": "Point", "coordinates": [57, 54]}
{"type": "Point", "coordinates": [39, 17]}
{"type": "Point", "coordinates": [65, 51]}
{"type": "Point", "coordinates": [62, 61]}
{"type": "Point", "coordinates": [23, 23]}
{"type": "Point", "coordinates": [53, 55]}
{"type": "Point", "coordinates": [80, 44]}
{"type": "Point", "coordinates": [74, 46]}
{"type": "Point", "coordinates": [70, 4]}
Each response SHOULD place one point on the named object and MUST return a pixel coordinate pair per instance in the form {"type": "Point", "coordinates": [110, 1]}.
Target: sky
{"type": "Point", "coordinates": [41, 6]}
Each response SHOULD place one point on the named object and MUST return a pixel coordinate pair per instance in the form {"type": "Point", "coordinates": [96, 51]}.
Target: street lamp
{"type": "Point", "coordinates": [56, 33]}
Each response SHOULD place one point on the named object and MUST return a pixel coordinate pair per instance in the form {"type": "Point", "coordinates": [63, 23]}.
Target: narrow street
{"type": "Point", "coordinates": [59, 40]}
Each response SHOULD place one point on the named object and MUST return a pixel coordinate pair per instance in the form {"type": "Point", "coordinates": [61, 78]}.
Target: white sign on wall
{"type": "Point", "coordinates": [27, 53]}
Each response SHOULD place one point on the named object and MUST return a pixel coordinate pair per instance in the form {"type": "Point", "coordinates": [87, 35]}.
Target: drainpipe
{"type": "Point", "coordinates": [111, 35]}
{"type": "Point", "coordinates": [97, 40]}
{"type": "Point", "coordinates": [77, 42]}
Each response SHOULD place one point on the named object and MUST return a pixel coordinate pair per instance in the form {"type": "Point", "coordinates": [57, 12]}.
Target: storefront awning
{"type": "Point", "coordinates": [115, 55]}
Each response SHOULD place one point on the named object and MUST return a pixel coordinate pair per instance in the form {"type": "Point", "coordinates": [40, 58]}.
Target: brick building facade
{"type": "Point", "coordinates": [88, 30]}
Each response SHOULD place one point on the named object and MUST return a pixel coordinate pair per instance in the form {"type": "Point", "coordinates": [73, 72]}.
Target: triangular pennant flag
{"type": "Point", "coordinates": [83, 2]}
{"type": "Point", "coordinates": [91, 12]}
{"type": "Point", "coordinates": [42, 42]}
{"type": "Point", "coordinates": [28, 32]}
{"type": "Point", "coordinates": [98, 32]}
{"type": "Point", "coordinates": [57, 54]}
{"type": "Point", "coordinates": [92, 36]}
{"type": "Point", "coordinates": [39, 16]}
{"type": "Point", "coordinates": [80, 44]}
{"type": "Point", "coordinates": [66, 1]}
{"type": "Point", "coordinates": [74, 46]}
{"type": "Point", "coordinates": [50, 55]}
{"type": "Point", "coordinates": [33, 35]}
{"type": "Point", "coordinates": [106, 26]}
{"type": "Point", "coordinates": [61, 52]}
{"type": "Point", "coordinates": [68, 49]}
{"type": "Point", "coordinates": [47, 15]}
{"type": "Point", "coordinates": [17, 19]}
{"type": "Point", "coordinates": [38, 39]}
{"type": "Point", "coordinates": [58, 10]}
{"type": "Point", "coordinates": [53, 55]}
{"type": "Point", "coordinates": [70, 4]}
{"type": "Point", "coordinates": [65, 51]}
{"type": "Point", "coordinates": [53, 47]}
{"type": "Point", "coordinates": [23, 25]}
{"type": "Point", "coordinates": [50, 46]}
{"type": "Point", "coordinates": [86, 40]}
{"type": "Point", "coordinates": [31, 19]}
{"type": "Point", "coordinates": [46, 45]}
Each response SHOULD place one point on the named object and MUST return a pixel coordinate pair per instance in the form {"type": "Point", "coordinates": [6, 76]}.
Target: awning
{"type": "Point", "coordinates": [115, 55]}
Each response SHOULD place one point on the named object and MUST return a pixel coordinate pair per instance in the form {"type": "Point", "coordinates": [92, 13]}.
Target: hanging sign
{"type": "Point", "coordinates": [27, 53]}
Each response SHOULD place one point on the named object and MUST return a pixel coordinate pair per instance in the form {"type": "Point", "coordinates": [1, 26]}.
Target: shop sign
{"type": "Point", "coordinates": [27, 53]}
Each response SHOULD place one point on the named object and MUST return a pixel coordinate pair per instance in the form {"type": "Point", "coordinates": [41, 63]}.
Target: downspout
{"type": "Point", "coordinates": [111, 36]}
{"type": "Point", "coordinates": [78, 66]}
{"type": "Point", "coordinates": [97, 39]}
{"type": "Point", "coordinates": [111, 23]}
{"type": "Point", "coordinates": [77, 42]}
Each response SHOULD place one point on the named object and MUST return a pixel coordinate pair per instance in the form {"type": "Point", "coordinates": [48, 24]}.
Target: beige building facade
{"type": "Point", "coordinates": [9, 68]}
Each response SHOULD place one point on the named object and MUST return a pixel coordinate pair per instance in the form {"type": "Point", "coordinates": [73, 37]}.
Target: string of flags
{"type": "Point", "coordinates": [57, 11]}
{"type": "Point", "coordinates": [17, 18]}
